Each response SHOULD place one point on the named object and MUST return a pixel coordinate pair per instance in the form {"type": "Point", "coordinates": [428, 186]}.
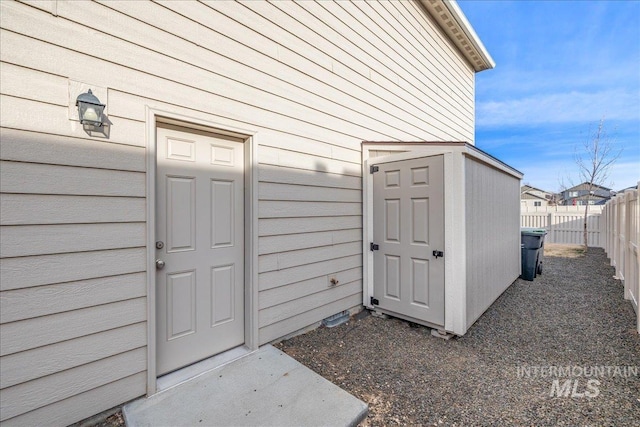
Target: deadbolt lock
{"type": "Point", "coordinates": [159, 244]}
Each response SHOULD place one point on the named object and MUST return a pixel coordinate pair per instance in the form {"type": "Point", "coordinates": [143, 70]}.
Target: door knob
{"type": "Point", "coordinates": [159, 264]}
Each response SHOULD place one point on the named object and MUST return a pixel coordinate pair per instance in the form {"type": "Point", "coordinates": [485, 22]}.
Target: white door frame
{"type": "Point", "coordinates": [251, 225]}
{"type": "Point", "coordinates": [454, 272]}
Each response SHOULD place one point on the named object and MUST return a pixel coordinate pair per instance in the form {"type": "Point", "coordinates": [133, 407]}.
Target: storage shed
{"type": "Point", "coordinates": [441, 232]}
{"type": "Point", "coordinates": [217, 205]}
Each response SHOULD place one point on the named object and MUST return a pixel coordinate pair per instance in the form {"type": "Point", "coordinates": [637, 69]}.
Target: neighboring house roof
{"type": "Point", "coordinates": [527, 187]}
{"type": "Point", "coordinates": [585, 186]}
{"type": "Point", "coordinates": [591, 197]}
{"type": "Point", "coordinates": [529, 196]}
{"type": "Point", "coordinates": [527, 192]}
{"type": "Point", "coordinates": [633, 187]}
{"type": "Point", "coordinates": [452, 20]}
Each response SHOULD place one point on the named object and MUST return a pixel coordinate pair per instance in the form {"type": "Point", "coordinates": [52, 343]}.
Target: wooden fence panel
{"type": "Point", "coordinates": [565, 226]}
{"type": "Point", "coordinates": [622, 239]}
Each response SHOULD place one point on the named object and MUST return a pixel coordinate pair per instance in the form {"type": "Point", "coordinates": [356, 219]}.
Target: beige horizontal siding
{"type": "Point", "coordinates": [54, 119]}
{"type": "Point", "coordinates": [39, 362]}
{"type": "Point", "coordinates": [282, 260]}
{"type": "Point", "coordinates": [37, 147]}
{"type": "Point", "coordinates": [54, 239]}
{"type": "Point", "coordinates": [128, 105]}
{"type": "Point", "coordinates": [292, 324]}
{"type": "Point", "coordinates": [32, 209]}
{"type": "Point", "coordinates": [284, 175]}
{"type": "Point", "coordinates": [39, 301]}
{"type": "Point", "coordinates": [290, 242]}
{"type": "Point", "coordinates": [292, 160]}
{"type": "Point", "coordinates": [34, 394]}
{"type": "Point", "coordinates": [315, 255]}
{"type": "Point", "coordinates": [308, 302]}
{"type": "Point", "coordinates": [34, 178]}
{"type": "Point", "coordinates": [313, 79]}
{"type": "Point", "coordinates": [73, 211]}
{"type": "Point", "coordinates": [247, 35]}
{"type": "Point", "coordinates": [298, 290]}
{"type": "Point", "coordinates": [45, 330]}
{"type": "Point", "coordinates": [276, 191]}
{"type": "Point", "coordinates": [313, 36]}
{"type": "Point", "coordinates": [277, 226]}
{"type": "Point", "coordinates": [214, 76]}
{"type": "Point", "coordinates": [277, 209]}
{"type": "Point", "coordinates": [83, 405]}
{"type": "Point", "coordinates": [392, 61]}
{"type": "Point", "coordinates": [39, 270]}
{"type": "Point", "coordinates": [283, 277]}
{"type": "Point", "coordinates": [34, 85]}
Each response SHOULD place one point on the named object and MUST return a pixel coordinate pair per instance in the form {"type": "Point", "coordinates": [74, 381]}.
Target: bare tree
{"type": "Point", "coordinates": [595, 159]}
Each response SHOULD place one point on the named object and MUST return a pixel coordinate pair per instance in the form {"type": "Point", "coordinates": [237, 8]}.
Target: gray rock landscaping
{"type": "Point", "coordinates": [561, 350]}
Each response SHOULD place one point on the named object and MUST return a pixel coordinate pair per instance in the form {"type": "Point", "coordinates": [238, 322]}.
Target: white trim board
{"type": "Point", "coordinates": [225, 127]}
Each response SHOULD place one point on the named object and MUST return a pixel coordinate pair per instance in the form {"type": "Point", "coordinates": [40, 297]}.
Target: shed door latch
{"type": "Point", "coordinates": [374, 247]}
{"type": "Point", "coordinates": [438, 254]}
{"type": "Point", "coordinates": [373, 168]}
{"type": "Point", "coordinates": [374, 301]}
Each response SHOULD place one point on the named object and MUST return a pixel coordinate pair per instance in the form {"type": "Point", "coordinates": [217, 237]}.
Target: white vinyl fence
{"type": "Point", "coordinates": [621, 239]}
{"type": "Point", "coordinates": [564, 224]}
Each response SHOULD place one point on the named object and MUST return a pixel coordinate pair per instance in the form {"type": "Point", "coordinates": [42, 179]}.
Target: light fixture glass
{"type": "Point", "coordinates": [90, 109]}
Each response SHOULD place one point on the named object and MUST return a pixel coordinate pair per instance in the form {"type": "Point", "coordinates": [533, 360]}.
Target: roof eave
{"type": "Point", "coordinates": [451, 19]}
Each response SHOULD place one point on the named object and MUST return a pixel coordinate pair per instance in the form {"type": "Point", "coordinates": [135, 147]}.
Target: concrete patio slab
{"type": "Point", "coordinates": [265, 388]}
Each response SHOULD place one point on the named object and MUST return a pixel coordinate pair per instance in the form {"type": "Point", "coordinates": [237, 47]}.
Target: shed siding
{"type": "Point", "coordinates": [492, 230]}
{"type": "Point", "coordinates": [314, 79]}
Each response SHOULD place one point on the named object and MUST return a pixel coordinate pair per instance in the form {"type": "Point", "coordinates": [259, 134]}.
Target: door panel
{"type": "Point", "coordinates": [181, 289]}
{"type": "Point", "coordinates": [392, 277]}
{"type": "Point", "coordinates": [222, 215]}
{"type": "Point", "coordinates": [181, 214]}
{"type": "Point", "coordinates": [408, 219]}
{"type": "Point", "coordinates": [200, 220]}
{"type": "Point", "coordinates": [222, 284]}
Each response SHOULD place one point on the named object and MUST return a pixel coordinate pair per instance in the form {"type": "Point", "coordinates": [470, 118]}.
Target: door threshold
{"type": "Point", "coordinates": [190, 372]}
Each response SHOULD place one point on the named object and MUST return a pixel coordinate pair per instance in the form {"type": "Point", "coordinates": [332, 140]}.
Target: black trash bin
{"type": "Point", "coordinates": [532, 252]}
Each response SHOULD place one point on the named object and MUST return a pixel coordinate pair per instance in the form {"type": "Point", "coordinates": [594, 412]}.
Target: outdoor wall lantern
{"type": "Point", "coordinates": [89, 109]}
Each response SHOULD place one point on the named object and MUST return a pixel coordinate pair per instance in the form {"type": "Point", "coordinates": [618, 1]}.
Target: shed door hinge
{"type": "Point", "coordinates": [373, 246]}
{"type": "Point", "coordinates": [373, 168]}
{"type": "Point", "coordinates": [374, 301]}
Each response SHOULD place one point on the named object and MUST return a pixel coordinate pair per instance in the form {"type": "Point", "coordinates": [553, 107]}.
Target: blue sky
{"type": "Point", "coordinates": [561, 66]}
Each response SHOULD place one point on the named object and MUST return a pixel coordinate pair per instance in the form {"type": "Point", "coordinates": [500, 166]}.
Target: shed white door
{"type": "Point", "coordinates": [200, 229]}
{"type": "Point", "coordinates": [408, 224]}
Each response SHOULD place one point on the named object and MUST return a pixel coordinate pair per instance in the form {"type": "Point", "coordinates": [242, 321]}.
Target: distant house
{"type": "Point", "coordinates": [633, 187]}
{"type": "Point", "coordinates": [531, 197]}
{"type": "Point", "coordinates": [579, 194]}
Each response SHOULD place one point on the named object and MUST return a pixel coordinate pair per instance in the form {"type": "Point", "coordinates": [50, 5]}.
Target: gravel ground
{"type": "Point", "coordinates": [574, 315]}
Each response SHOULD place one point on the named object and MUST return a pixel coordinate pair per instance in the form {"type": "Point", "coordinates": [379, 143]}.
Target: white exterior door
{"type": "Point", "coordinates": [199, 246]}
{"type": "Point", "coordinates": [408, 229]}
